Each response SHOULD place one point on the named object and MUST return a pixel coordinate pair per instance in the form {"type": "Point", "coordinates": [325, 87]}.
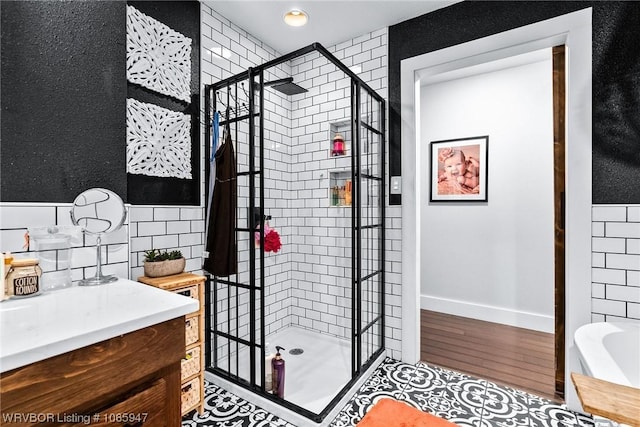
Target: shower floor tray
{"type": "Point", "coordinates": [314, 377]}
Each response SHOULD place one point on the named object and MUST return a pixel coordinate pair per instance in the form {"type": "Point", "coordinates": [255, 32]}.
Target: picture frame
{"type": "Point", "coordinates": [458, 169]}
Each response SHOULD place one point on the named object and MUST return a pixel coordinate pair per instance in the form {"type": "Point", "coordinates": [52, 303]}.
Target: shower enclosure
{"type": "Point", "coordinates": [309, 138]}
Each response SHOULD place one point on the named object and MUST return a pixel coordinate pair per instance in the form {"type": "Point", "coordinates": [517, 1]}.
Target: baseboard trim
{"type": "Point", "coordinates": [521, 319]}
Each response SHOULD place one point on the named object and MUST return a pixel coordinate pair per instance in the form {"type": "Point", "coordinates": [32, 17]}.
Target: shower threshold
{"type": "Point", "coordinates": [313, 379]}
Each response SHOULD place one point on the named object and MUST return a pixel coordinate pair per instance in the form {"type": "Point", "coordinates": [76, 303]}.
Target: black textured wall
{"type": "Point", "coordinates": [183, 17]}
{"type": "Point", "coordinates": [63, 90]}
{"type": "Point", "coordinates": [616, 76]}
{"type": "Point", "coordinates": [63, 101]}
{"type": "Point", "coordinates": [616, 102]}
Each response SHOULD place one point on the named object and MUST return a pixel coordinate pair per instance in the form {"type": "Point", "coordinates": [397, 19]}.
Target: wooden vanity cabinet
{"type": "Point", "coordinates": [129, 380]}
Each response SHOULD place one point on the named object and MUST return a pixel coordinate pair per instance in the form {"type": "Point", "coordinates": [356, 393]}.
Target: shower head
{"type": "Point", "coordinates": [286, 86]}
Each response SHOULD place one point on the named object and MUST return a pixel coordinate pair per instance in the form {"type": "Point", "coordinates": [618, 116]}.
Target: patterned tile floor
{"type": "Point", "coordinates": [459, 398]}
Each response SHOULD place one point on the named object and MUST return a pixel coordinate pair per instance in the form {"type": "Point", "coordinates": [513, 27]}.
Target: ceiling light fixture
{"type": "Point", "coordinates": [296, 18]}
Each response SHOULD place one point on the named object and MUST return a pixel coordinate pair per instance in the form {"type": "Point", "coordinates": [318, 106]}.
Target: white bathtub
{"type": "Point", "coordinates": [610, 351]}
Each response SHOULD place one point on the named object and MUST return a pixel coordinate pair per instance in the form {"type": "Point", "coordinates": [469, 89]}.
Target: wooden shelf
{"type": "Point", "coordinates": [613, 401]}
{"type": "Point", "coordinates": [191, 285]}
{"type": "Point", "coordinates": [171, 282]}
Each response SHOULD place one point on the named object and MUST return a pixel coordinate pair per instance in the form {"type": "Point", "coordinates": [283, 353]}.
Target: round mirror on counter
{"type": "Point", "coordinates": [98, 211]}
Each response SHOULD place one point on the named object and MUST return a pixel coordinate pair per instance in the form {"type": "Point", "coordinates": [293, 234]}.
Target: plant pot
{"type": "Point", "coordinates": [164, 268]}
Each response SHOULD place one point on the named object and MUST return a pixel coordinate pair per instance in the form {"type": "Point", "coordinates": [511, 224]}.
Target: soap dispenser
{"type": "Point", "coordinates": [277, 373]}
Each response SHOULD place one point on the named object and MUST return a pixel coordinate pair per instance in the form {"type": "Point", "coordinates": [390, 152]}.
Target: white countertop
{"type": "Point", "coordinates": [36, 328]}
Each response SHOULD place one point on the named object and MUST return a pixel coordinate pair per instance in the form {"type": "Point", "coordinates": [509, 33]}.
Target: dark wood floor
{"type": "Point", "coordinates": [516, 357]}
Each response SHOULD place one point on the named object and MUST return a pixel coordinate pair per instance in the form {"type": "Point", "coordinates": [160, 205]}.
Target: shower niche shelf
{"type": "Point", "coordinates": [342, 128]}
{"type": "Point", "coordinates": [340, 189]}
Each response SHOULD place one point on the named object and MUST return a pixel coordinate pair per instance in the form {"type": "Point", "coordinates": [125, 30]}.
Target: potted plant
{"type": "Point", "coordinates": [163, 263]}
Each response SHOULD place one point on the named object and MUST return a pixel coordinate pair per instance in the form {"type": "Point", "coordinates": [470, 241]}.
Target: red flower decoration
{"type": "Point", "coordinates": [272, 241]}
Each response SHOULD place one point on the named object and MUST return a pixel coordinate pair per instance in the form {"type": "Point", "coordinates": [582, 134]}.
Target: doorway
{"type": "Point", "coordinates": [493, 261]}
{"type": "Point", "coordinates": [573, 30]}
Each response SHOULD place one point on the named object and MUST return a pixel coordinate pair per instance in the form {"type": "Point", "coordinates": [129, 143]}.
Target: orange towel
{"type": "Point", "coordinates": [393, 413]}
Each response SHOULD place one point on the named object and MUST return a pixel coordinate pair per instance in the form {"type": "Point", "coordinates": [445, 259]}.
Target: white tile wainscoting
{"type": "Point", "coordinates": [615, 249]}
{"type": "Point", "coordinates": [615, 273]}
{"type": "Point", "coordinates": [146, 227]}
{"type": "Point", "coordinates": [166, 228]}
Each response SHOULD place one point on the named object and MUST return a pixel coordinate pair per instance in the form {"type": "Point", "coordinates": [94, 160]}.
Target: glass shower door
{"type": "Point", "coordinates": [368, 231]}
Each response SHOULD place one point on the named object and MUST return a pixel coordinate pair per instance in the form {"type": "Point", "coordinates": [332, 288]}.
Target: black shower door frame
{"type": "Point", "coordinates": [254, 287]}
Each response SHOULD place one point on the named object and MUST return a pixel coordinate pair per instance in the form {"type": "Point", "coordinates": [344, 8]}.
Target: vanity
{"type": "Point", "coordinates": [93, 355]}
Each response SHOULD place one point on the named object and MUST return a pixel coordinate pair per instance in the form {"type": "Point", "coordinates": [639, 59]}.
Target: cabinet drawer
{"type": "Point", "coordinates": [192, 330]}
{"type": "Point", "coordinates": [191, 363]}
{"type": "Point", "coordinates": [190, 394]}
{"type": "Point", "coordinates": [91, 377]}
{"type": "Point", "coordinates": [146, 408]}
{"type": "Point", "coordinates": [189, 291]}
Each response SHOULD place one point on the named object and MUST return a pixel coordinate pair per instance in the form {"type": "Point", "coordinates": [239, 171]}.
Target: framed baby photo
{"type": "Point", "coordinates": [458, 170]}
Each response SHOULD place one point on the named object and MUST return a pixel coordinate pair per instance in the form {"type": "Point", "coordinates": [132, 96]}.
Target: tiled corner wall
{"type": "Point", "coordinates": [313, 308]}
{"type": "Point", "coordinates": [370, 52]}
{"type": "Point", "coordinates": [277, 200]}
{"type": "Point", "coordinates": [615, 273]}
{"type": "Point", "coordinates": [321, 279]}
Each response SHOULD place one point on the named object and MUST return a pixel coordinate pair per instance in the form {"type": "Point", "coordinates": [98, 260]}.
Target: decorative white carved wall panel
{"type": "Point", "coordinates": [158, 57]}
{"type": "Point", "coordinates": [158, 141]}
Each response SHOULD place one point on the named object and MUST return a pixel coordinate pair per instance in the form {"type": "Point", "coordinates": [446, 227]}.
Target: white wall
{"type": "Point", "coordinates": [494, 261]}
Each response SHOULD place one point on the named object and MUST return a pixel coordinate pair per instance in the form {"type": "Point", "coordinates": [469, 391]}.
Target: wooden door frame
{"type": "Point", "coordinates": [559, 150]}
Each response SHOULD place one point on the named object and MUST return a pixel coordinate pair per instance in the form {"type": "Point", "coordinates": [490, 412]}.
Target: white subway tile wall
{"type": "Point", "coordinates": [615, 272]}
{"type": "Point", "coordinates": [321, 292]}
{"type": "Point", "coordinates": [17, 218]}
{"type": "Point", "coordinates": [393, 282]}
{"type": "Point", "coordinates": [166, 228]}
{"type": "Point", "coordinates": [305, 282]}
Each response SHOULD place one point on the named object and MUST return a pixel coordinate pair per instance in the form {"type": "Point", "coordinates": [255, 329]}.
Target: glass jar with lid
{"type": "Point", "coordinates": [52, 247]}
